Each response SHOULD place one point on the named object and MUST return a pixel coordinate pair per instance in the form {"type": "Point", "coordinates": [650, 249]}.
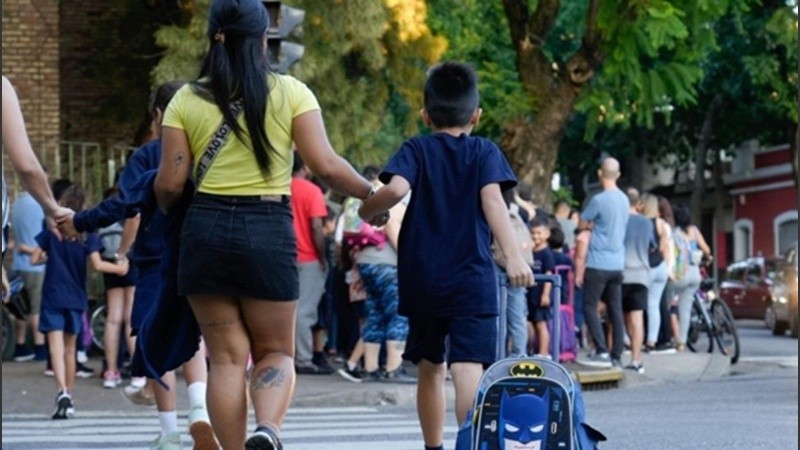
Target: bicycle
{"type": "Point", "coordinates": [712, 321]}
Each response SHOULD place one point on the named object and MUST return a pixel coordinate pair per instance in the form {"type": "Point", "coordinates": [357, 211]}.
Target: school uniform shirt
{"type": "Point", "coordinates": [149, 245]}
{"type": "Point", "coordinates": [65, 275]}
{"type": "Point", "coordinates": [445, 266]}
{"type": "Point", "coordinates": [543, 262]}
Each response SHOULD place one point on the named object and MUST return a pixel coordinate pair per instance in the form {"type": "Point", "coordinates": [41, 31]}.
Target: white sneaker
{"type": "Point", "coordinates": [171, 441]}
{"type": "Point", "coordinates": [200, 429]}
{"type": "Point", "coordinates": [81, 357]}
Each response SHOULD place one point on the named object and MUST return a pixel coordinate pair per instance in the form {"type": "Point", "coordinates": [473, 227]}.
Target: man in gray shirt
{"type": "Point", "coordinates": [636, 277]}
{"type": "Point", "coordinates": [607, 214]}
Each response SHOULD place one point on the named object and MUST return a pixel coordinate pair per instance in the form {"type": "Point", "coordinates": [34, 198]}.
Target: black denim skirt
{"type": "Point", "coordinates": [238, 245]}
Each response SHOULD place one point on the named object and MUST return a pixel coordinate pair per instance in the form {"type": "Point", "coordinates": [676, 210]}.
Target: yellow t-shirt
{"type": "Point", "coordinates": [235, 170]}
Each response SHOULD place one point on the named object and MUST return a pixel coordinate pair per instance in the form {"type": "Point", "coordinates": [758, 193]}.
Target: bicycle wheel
{"type": "Point", "coordinates": [725, 330]}
{"type": "Point", "coordinates": [699, 338]}
{"type": "Point", "coordinates": [98, 324]}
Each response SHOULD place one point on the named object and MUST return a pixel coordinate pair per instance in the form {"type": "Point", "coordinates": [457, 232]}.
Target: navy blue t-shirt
{"type": "Point", "coordinates": [65, 271]}
{"type": "Point", "coordinates": [562, 259]}
{"type": "Point", "coordinates": [543, 262]}
{"type": "Point", "coordinates": [444, 264]}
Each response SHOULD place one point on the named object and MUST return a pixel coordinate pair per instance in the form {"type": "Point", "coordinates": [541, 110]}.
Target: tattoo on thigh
{"type": "Point", "coordinates": [269, 377]}
{"type": "Point", "coordinates": [219, 323]}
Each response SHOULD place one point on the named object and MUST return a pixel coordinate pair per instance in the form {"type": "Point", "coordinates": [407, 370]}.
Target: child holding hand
{"type": "Point", "coordinates": [64, 297]}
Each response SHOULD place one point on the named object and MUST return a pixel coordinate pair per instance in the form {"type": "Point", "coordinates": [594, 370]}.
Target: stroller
{"type": "Point", "coordinates": [529, 400]}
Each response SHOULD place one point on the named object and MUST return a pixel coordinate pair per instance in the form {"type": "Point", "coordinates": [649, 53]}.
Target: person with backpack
{"type": "Point", "coordinates": [690, 248]}
{"type": "Point", "coordinates": [64, 296]}
{"type": "Point", "coordinates": [660, 259]}
{"type": "Point", "coordinates": [457, 205]}
{"type": "Point", "coordinates": [120, 292]}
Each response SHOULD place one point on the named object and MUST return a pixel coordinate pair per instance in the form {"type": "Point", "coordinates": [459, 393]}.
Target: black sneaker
{"type": "Point", "coordinates": [324, 367]}
{"type": "Point", "coordinates": [636, 367]}
{"type": "Point", "coordinates": [350, 375]}
{"type": "Point", "coordinates": [23, 353]}
{"type": "Point", "coordinates": [82, 371]}
{"type": "Point", "coordinates": [313, 369]}
{"type": "Point", "coordinates": [616, 363]}
{"type": "Point", "coordinates": [263, 439]}
{"type": "Point", "coordinates": [399, 375]}
{"type": "Point", "coordinates": [63, 404]}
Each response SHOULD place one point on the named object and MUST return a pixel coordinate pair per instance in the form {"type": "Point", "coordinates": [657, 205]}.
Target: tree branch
{"type": "Point", "coordinates": [543, 19]}
{"type": "Point", "coordinates": [517, 14]}
{"type": "Point", "coordinates": [581, 66]}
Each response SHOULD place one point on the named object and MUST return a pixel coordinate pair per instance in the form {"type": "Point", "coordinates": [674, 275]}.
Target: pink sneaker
{"type": "Point", "coordinates": [111, 379]}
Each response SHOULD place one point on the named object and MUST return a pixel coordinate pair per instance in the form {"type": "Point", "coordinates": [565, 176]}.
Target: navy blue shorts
{"type": "Point", "coordinates": [454, 339]}
{"type": "Point", "coordinates": [111, 281]}
{"type": "Point", "coordinates": [61, 319]}
{"type": "Point", "coordinates": [540, 314]}
{"type": "Point", "coordinates": [239, 246]}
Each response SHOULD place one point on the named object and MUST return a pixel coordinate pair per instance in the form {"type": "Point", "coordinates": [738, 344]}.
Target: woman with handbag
{"type": "Point", "coordinates": [237, 262]}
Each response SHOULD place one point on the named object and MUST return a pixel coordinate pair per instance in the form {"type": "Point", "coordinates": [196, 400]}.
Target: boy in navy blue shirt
{"type": "Point", "coordinates": [539, 309]}
{"type": "Point", "coordinates": [64, 296]}
{"type": "Point", "coordinates": [446, 276]}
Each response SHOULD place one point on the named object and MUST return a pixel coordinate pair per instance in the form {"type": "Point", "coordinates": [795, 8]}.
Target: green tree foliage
{"type": "Point", "coordinates": [618, 62]}
{"type": "Point", "coordinates": [365, 61]}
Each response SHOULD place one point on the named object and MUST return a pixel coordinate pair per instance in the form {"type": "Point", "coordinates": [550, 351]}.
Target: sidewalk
{"type": "Point", "coordinates": [27, 391]}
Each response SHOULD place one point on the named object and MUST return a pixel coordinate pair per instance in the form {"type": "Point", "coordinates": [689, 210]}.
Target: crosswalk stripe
{"type": "Point", "coordinates": [305, 429]}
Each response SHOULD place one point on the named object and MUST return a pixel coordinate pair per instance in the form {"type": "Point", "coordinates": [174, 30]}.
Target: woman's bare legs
{"type": "Point", "coordinates": [271, 326]}
{"type": "Point", "coordinates": [225, 335]}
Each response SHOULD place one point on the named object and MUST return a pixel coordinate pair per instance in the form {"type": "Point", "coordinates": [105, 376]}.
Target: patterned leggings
{"type": "Point", "coordinates": [383, 323]}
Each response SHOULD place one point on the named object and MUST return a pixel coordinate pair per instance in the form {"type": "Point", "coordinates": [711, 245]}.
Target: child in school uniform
{"type": "Point", "coordinates": [446, 275]}
{"type": "Point", "coordinates": [539, 311]}
{"type": "Point", "coordinates": [64, 297]}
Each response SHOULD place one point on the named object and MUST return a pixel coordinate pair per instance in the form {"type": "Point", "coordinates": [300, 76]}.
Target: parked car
{"type": "Point", "coordinates": [758, 288]}
{"type": "Point", "coordinates": [785, 313]}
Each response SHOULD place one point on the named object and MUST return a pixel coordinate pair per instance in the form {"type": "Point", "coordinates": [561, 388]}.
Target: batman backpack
{"type": "Point", "coordinates": [527, 401]}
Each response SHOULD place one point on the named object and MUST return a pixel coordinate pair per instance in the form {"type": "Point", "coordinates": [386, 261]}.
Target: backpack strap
{"type": "Point", "coordinates": [219, 139]}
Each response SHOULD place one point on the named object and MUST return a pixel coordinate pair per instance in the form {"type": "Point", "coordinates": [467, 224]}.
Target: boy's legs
{"type": "Point", "coordinates": [543, 335]}
{"type": "Point", "coordinates": [70, 365]}
{"type": "Point", "coordinates": [431, 400]}
{"type": "Point", "coordinates": [55, 341]}
{"type": "Point", "coordinates": [466, 377]}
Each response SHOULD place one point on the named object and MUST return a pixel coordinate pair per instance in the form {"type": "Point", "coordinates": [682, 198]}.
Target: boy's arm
{"type": "Point", "coordinates": [392, 227]}
{"type": "Point", "coordinates": [386, 197]}
{"type": "Point", "coordinates": [108, 267]}
{"type": "Point", "coordinates": [546, 289]}
{"type": "Point", "coordinates": [496, 212]}
{"type": "Point", "coordinates": [129, 230]}
{"type": "Point", "coordinates": [25, 249]}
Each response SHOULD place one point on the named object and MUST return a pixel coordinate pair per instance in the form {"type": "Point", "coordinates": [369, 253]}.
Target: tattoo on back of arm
{"type": "Point", "coordinates": [269, 377]}
{"type": "Point", "coordinates": [180, 158]}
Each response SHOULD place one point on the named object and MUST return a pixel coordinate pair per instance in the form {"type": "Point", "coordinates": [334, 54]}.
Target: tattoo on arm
{"type": "Point", "coordinates": [269, 377]}
{"type": "Point", "coordinates": [180, 158]}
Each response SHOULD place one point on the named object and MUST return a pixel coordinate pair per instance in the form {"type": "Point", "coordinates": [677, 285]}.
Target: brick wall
{"type": "Point", "coordinates": [31, 62]}
{"type": "Point", "coordinates": [85, 25]}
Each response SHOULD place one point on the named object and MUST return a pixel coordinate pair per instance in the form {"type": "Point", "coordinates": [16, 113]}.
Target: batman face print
{"type": "Point", "coordinates": [523, 421]}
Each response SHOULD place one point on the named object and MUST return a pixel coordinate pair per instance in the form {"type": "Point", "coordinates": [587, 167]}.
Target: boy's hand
{"type": "Point", "coordinates": [519, 272]}
{"type": "Point", "coordinates": [545, 301]}
{"type": "Point", "coordinates": [123, 265]}
{"type": "Point", "coordinates": [67, 228]}
{"type": "Point", "coordinates": [6, 288]}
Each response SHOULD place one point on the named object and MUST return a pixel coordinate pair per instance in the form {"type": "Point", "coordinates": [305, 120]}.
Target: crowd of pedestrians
{"type": "Point", "coordinates": [290, 259]}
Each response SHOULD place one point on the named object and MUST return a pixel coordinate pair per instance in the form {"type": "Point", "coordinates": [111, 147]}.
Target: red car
{"type": "Point", "coordinates": [753, 287]}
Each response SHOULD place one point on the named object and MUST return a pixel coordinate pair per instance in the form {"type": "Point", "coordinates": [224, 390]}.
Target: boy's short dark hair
{"type": "Point", "coordinates": [556, 239]}
{"type": "Point", "coordinates": [74, 198]}
{"type": "Point", "coordinates": [540, 222]}
{"type": "Point", "coordinates": [451, 94]}
{"type": "Point", "coordinates": [59, 186]}
{"type": "Point", "coordinates": [160, 98]}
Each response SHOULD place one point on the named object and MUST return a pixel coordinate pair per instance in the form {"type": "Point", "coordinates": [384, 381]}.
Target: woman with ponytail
{"type": "Point", "coordinates": [232, 132]}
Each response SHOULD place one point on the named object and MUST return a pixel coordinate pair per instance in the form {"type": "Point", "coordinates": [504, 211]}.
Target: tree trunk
{"type": "Point", "coordinates": [532, 143]}
{"type": "Point", "coordinates": [532, 146]}
{"type": "Point", "coordinates": [700, 151]}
